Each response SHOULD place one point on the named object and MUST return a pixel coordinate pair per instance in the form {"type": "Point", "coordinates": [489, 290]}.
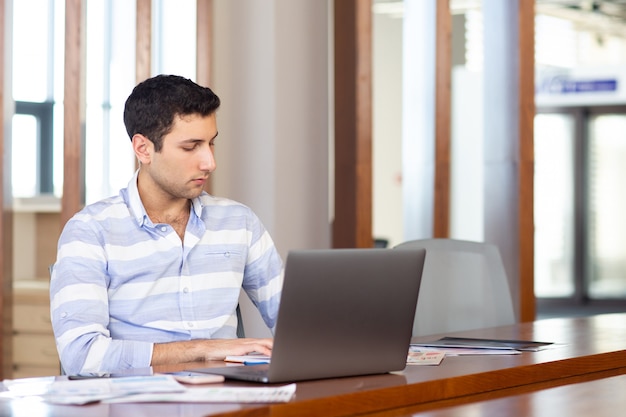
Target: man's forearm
{"type": "Point", "coordinates": [176, 352]}
{"type": "Point", "coordinates": [204, 350]}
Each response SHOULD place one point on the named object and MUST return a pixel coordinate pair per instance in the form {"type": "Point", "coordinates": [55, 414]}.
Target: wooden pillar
{"type": "Point", "coordinates": [143, 58]}
{"type": "Point", "coordinates": [352, 224]}
{"type": "Point", "coordinates": [143, 43]}
{"type": "Point", "coordinates": [526, 158]}
{"type": "Point", "coordinates": [6, 219]}
{"type": "Point", "coordinates": [204, 42]}
{"type": "Point", "coordinates": [73, 110]}
{"type": "Point", "coordinates": [443, 80]}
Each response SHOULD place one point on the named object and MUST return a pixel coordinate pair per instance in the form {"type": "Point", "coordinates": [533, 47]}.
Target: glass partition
{"type": "Point", "coordinates": [554, 205]}
{"type": "Point", "coordinates": [607, 204]}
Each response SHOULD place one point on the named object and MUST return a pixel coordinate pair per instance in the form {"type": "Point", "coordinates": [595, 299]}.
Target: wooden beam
{"type": "Point", "coordinates": [443, 80]}
{"type": "Point", "coordinates": [204, 51]}
{"type": "Point", "coordinates": [6, 218]}
{"type": "Point", "coordinates": [73, 110]}
{"type": "Point", "coordinates": [143, 47]}
{"type": "Point", "coordinates": [526, 157]}
{"type": "Point", "coordinates": [204, 41]}
{"type": "Point", "coordinates": [143, 43]}
{"type": "Point", "coordinates": [352, 224]}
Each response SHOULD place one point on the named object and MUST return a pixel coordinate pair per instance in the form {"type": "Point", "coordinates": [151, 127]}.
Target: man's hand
{"type": "Point", "coordinates": [204, 350]}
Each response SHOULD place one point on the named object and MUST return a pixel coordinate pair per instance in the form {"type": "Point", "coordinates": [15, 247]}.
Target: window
{"type": "Point", "coordinates": [32, 130]}
{"type": "Point", "coordinates": [35, 25]}
{"type": "Point", "coordinates": [38, 57]}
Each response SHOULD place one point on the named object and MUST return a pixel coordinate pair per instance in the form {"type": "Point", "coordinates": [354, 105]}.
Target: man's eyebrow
{"type": "Point", "coordinates": [198, 139]}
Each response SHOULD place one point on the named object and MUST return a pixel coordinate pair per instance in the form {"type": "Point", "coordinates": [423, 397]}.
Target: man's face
{"type": "Point", "coordinates": [182, 167]}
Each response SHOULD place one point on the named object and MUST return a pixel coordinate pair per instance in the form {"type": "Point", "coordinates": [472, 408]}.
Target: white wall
{"type": "Point", "coordinates": [271, 72]}
{"type": "Point", "coordinates": [387, 129]}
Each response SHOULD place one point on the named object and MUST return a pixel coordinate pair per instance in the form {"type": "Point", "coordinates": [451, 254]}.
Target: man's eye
{"type": "Point", "coordinates": [191, 147]}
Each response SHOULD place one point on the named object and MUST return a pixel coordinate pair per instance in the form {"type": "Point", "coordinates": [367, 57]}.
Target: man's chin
{"type": "Point", "coordinates": [195, 192]}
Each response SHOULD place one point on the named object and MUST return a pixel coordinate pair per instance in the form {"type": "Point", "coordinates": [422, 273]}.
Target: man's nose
{"type": "Point", "coordinates": [207, 163]}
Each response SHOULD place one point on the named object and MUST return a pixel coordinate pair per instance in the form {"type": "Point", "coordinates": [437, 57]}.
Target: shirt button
{"type": "Point", "coordinates": [227, 254]}
{"type": "Point", "coordinates": [185, 290]}
{"type": "Point", "coordinates": [63, 315]}
{"type": "Point", "coordinates": [190, 324]}
{"type": "Point", "coordinates": [164, 228]}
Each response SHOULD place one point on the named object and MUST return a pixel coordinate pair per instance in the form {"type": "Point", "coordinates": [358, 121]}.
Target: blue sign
{"type": "Point", "coordinates": [562, 85]}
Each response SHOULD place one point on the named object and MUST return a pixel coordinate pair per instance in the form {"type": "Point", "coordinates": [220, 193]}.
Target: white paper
{"type": "Point", "coordinates": [155, 388]}
{"type": "Point", "coordinates": [217, 395]}
{"type": "Point", "coordinates": [464, 351]}
{"type": "Point", "coordinates": [86, 391]}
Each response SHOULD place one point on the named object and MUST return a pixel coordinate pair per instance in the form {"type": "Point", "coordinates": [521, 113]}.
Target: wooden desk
{"type": "Point", "coordinates": [599, 398]}
{"type": "Point", "coordinates": [586, 349]}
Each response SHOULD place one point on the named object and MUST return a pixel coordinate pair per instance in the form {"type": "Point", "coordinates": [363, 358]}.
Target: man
{"type": "Point", "coordinates": [152, 276]}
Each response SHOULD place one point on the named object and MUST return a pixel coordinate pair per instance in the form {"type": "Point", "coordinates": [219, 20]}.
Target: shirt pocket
{"type": "Point", "coordinates": [223, 261]}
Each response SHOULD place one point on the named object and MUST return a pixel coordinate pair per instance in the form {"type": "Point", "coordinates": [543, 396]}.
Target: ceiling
{"type": "Point", "coordinates": [604, 17]}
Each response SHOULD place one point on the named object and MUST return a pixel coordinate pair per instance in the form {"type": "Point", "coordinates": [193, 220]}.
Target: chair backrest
{"type": "Point", "coordinates": [250, 322]}
{"type": "Point", "coordinates": [464, 287]}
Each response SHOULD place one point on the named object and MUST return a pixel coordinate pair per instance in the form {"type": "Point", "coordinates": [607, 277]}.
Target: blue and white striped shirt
{"type": "Point", "coordinates": [121, 283]}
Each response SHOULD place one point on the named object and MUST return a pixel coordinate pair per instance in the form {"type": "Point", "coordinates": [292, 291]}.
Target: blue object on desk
{"type": "Point", "coordinates": [256, 362]}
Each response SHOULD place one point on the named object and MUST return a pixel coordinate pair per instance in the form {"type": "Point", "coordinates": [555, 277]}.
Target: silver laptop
{"type": "Point", "coordinates": [343, 312]}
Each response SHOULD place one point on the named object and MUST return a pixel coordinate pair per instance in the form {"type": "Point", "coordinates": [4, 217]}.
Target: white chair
{"type": "Point", "coordinates": [464, 287]}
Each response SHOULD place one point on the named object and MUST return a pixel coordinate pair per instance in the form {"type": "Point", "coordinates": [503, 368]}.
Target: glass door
{"type": "Point", "coordinates": [580, 201]}
{"type": "Point", "coordinates": [606, 227]}
{"type": "Point", "coordinates": [555, 137]}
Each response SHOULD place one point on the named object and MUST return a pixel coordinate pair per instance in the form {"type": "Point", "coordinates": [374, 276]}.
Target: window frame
{"type": "Point", "coordinates": [43, 112]}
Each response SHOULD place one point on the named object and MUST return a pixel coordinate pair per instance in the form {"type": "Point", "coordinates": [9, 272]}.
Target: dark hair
{"type": "Point", "coordinates": [151, 107]}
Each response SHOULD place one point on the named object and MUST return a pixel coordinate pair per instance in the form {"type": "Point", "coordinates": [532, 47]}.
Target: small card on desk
{"type": "Point", "coordinates": [424, 358]}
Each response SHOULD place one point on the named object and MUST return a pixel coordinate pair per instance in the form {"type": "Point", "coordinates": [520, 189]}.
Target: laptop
{"type": "Point", "coordinates": [343, 312]}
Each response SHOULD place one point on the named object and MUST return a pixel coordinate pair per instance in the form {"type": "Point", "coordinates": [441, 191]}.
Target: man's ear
{"type": "Point", "coordinates": [143, 148]}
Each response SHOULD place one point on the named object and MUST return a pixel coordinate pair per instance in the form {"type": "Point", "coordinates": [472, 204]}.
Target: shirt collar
{"type": "Point", "coordinates": [138, 210]}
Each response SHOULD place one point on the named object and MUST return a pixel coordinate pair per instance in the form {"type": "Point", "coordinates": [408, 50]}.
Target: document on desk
{"type": "Point", "coordinates": [87, 391]}
{"type": "Point", "coordinates": [458, 351]}
{"type": "Point", "coordinates": [213, 394]}
{"type": "Point", "coordinates": [155, 388]}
